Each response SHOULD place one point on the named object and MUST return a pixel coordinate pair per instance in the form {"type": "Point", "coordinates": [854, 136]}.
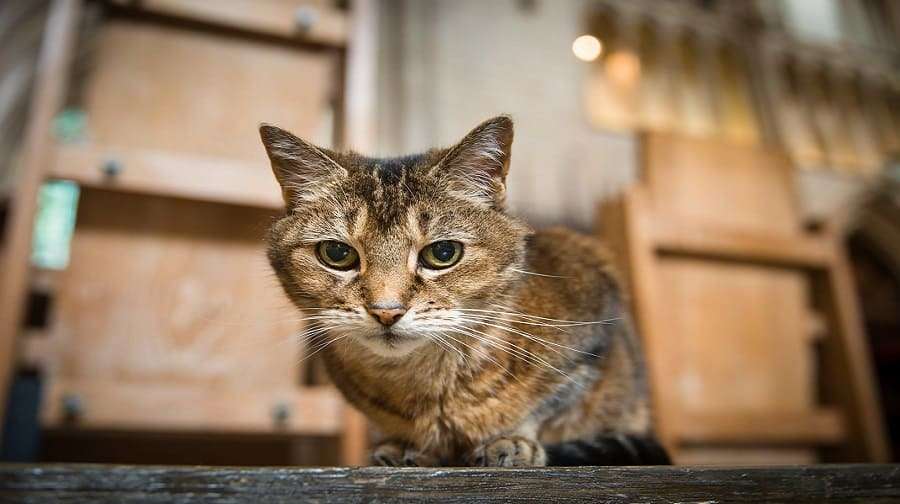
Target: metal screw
{"type": "Point", "coordinates": [72, 407]}
{"type": "Point", "coordinates": [111, 168]}
{"type": "Point", "coordinates": [281, 412]}
{"type": "Point", "coordinates": [305, 18]}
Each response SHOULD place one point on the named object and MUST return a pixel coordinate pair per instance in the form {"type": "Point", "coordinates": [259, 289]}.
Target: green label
{"type": "Point", "coordinates": [54, 224]}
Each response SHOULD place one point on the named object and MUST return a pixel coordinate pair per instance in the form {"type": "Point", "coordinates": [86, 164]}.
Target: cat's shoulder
{"type": "Point", "coordinates": [566, 251]}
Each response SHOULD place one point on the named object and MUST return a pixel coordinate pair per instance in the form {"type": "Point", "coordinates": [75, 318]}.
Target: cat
{"type": "Point", "coordinates": [466, 337]}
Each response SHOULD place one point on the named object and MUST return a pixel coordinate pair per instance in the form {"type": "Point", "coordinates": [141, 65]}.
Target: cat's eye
{"type": "Point", "coordinates": [441, 254]}
{"type": "Point", "coordinates": [337, 255]}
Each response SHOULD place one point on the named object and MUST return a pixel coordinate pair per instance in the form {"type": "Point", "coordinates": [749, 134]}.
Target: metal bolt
{"type": "Point", "coordinates": [305, 18]}
{"type": "Point", "coordinates": [72, 407]}
{"type": "Point", "coordinates": [281, 412]}
{"type": "Point", "coordinates": [111, 168]}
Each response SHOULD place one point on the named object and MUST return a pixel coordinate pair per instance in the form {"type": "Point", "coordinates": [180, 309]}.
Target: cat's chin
{"type": "Point", "coordinates": [392, 345]}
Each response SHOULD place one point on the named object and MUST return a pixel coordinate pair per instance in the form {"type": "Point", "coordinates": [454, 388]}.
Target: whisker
{"type": "Point", "coordinates": [526, 272]}
{"type": "Point", "coordinates": [559, 327]}
{"type": "Point", "coordinates": [535, 317]}
{"type": "Point", "coordinates": [323, 347]}
{"type": "Point", "coordinates": [532, 337]}
{"type": "Point", "coordinates": [435, 338]}
{"type": "Point", "coordinates": [483, 353]}
{"type": "Point", "coordinates": [516, 350]}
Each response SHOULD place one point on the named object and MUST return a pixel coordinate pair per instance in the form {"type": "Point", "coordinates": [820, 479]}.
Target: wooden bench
{"type": "Point", "coordinates": [794, 484]}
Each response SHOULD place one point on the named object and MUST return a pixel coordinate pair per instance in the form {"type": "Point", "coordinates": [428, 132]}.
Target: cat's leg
{"type": "Point", "coordinates": [398, 454]}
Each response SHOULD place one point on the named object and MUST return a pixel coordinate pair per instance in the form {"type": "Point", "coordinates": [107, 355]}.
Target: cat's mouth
{"type": "Point", "coordinates": [391, 337]}
{"type": "Point", "coordinates": [392, 343]}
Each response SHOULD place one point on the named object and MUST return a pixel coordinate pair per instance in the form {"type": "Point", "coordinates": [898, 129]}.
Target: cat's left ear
{"type": "Point", "coordinates": [477, 166]}
{"type": "Point", "coordinates": [303, 170]}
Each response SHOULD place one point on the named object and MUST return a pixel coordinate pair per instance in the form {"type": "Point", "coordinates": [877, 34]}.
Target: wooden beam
{"type": "Point", "coordinates": [167, 174]}
{"type": "Point", "coordinates": [177, 407]}
{"type": "Point", "coordinates": [798, 428]}
{"type": "Point", "coordinates": [794, 484]}
{"type": "Point", "coordinates": [361, 84]}
{"type": "Point", "coordinates": [696, 239]}
{"type": "Point", "coordinates": [318, 24]}
{"type": "Point", "coordinates": [49, 93]}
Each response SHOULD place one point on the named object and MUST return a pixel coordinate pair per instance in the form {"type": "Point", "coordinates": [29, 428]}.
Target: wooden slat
{"type": "Point", "coordinates": [698, 239]}
{"type": "Point", "coordinates": [168, 174]}
{"type": "Point", "coordinates": [176, 407]}
{"type": "Point", "coordinates": [796, 485]}
{"type": "Point", "coordinates": [355, 439]}
{"type": "Point", "coordinates": [798, 428]}
{"type": "Point", "coordinates": [270, 17]}
{"type": "Point", "coordinates": [51, 82]}
{"type": "Point", "coordinates": [745, 455]}
{"type": "Point", "coordinates": [851, 381]}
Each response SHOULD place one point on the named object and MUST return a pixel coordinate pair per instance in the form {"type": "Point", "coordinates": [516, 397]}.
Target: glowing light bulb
{"type": "Point", "coordinates": [587, 48]}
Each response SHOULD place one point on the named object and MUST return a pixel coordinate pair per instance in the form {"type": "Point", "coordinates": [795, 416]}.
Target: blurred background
{"type": "Point", "coordinates": [741, 157]}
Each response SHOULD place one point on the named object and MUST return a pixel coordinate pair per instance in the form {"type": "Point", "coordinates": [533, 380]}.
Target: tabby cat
{"type": "Point", "coordinates": [466, 337]}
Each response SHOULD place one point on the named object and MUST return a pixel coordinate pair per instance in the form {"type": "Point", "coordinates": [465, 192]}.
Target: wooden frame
{"type": "Point", "coordinates": [630, 221]}
{"type": "Point", "coordinates": [52, 79]}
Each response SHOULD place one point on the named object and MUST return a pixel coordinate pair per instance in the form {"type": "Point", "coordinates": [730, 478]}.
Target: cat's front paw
{"type": "Point", "coordinates": [513, 451]}
{"type": "Point", "coordinates": [396, 454]}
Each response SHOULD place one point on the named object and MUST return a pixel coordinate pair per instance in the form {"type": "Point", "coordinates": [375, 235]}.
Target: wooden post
{"type": "Point", "coordinates": [51, 81]}
{"type": "Point", "coordinates": [852, 383]}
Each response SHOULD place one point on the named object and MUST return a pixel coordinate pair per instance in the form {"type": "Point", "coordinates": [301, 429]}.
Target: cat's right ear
{"type": "Point", "coordinates": [300, 167]}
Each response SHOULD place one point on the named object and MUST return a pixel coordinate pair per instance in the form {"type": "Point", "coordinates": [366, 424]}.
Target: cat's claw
{"type": "Point", "coordinates": [393, 454]}
{"type": "Point", "coordinates": [513, 451]}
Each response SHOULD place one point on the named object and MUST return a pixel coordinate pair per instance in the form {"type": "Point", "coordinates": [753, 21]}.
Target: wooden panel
{"type": "Point", "coordinates": [106, 405]}
{"type": "Point", "coordinates": [162, 88]}
{"type": "Point", "coordinates": [275, 17]}
{"type": "Point", "coordinates": [168, 290]}
{"type": "Point", "coordinates": [164, 173]}
{"type": "Point", "coordinates": [115, 484]}
{"type": "Point", "coordinates": [738, 333]}
{"type": "Point", "coordinates": [716, 183]}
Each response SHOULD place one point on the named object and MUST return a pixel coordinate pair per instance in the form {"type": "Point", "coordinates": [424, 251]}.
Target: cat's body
{"type": "Point", "coordinates": [465, 337]}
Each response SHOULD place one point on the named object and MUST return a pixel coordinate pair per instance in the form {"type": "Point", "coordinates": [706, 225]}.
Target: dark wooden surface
{"type": "Point", "coordinates": [99, 483]}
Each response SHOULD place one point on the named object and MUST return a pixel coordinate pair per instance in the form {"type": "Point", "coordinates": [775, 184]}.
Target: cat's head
{"type": "Point", "coordinates": [391, 251]}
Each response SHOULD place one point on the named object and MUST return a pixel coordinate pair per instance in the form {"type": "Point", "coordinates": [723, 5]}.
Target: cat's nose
{"type": "Point", "coordinates": [387, 313]}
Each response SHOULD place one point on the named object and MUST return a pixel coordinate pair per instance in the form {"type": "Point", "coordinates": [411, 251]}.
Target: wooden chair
{"type": "Point", "coordinates": [752, 330]}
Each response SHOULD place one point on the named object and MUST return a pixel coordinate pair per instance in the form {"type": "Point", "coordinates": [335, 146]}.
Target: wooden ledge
{"type": "Point", "coordinates": [796, 484]}
{"type": "Point", "coordinates": [167, 174]}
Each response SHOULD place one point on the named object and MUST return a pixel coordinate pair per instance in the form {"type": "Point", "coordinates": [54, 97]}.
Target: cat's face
{"type": "Point", "coordinates": [388, 252]}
